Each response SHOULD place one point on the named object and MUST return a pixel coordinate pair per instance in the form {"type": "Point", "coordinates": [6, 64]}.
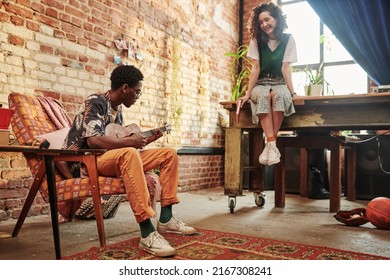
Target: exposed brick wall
{"type": "Point", "coordinates": [65, 49]}
{"type": "Point", "coordinates": [248, 6]}
{"type": "Point", "coordinates": [200, 171]}
{"type": "Point", "coordinates": [15, 182]}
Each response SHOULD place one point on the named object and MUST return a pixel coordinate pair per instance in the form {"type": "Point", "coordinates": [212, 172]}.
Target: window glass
{"type": "Point", "coordinates": [346, 79]}
{"type": "Point", "coordinates": [305, 30]}
{"type": "Point", "coordinates": [299, 80]}
{"type": "Point", "coordinates": [333, 49]}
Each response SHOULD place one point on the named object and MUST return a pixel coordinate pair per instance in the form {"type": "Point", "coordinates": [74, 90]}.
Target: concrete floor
{"type": "Point", "coordinates": [303, 220]}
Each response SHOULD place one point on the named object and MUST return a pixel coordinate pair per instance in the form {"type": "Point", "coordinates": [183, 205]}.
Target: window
{"type": "Point", "coordinates": [315, 45]}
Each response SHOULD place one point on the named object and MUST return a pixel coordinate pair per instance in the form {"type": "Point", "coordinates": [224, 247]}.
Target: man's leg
{"type": "Point", "coordinates": [166, 160]}
{"type": "Point", "coordinates": [127, 163]}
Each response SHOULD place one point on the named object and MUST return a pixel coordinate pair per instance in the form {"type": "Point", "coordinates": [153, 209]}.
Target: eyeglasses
{"type": "Point", "coordinates": [138, 92]}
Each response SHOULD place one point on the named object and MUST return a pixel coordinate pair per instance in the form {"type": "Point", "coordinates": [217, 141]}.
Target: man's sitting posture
{"type": "Point", "coordinates": [127, 159]}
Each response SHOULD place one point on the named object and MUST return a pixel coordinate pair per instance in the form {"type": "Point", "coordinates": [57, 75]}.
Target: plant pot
{"type": "Point", "coordinates": [313, 90]}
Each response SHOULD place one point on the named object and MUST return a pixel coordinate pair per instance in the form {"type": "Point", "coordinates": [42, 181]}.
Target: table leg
{"type": "Point", "coordinates": [233, 162]}
{"type": "Point", "coordinates": [51, 183]}
{"type": "Point", "coordinates": [280, 178]}
{"type": "Point", "coordinates": [335, 178]}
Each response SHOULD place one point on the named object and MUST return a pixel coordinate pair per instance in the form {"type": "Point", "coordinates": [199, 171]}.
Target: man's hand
{"type": "Point", "coordinates": [157, 133]}
{"type": "Point", "coordinates": [138, 141]}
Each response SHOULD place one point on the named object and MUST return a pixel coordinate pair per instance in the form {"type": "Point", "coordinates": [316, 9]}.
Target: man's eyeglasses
{"type": "Point", "coordinates": [138, 92]}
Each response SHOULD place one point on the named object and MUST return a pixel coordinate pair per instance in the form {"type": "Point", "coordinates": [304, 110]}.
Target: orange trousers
{"type": "Point", "coordinates": [131, 165]}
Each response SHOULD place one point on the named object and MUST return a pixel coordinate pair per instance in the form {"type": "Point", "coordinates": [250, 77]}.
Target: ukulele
{"type": "Point", "coordinates": [119, 131]}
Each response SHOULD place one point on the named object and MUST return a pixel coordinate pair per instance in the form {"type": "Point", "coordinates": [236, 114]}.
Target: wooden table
{"type": "Point", "coordinates": [49, 156]}
{"type": "Point", "coordinates": [316, 116]}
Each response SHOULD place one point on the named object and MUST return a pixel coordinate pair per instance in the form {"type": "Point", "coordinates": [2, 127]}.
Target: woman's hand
{"type": "Point", "coordinates": [244, 99]}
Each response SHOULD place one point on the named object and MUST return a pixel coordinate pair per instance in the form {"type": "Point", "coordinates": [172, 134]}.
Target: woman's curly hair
{"type": "Point", "coordinates": [254, 26]}
{"type": "Point", "coordinates": [125, 74]}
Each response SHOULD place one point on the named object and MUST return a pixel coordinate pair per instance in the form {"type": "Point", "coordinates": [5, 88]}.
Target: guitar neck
{"type": "Point", "coordinates": [149, 133]}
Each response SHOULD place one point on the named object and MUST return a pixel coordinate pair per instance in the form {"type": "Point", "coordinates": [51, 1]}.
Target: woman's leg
{"type": "Point", "coordinates": [271, 123]}
{"type": "Point", "coordinates": [266, 120]}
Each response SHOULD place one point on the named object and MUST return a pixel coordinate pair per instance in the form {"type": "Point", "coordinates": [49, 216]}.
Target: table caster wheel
{"type": "Point", "coordinates": [259, 199]}
{"type": "Point", "coordinates": [232, 204]}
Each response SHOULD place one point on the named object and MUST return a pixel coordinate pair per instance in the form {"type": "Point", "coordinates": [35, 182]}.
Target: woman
{"type": "Point", "coordinates": [270, 87]}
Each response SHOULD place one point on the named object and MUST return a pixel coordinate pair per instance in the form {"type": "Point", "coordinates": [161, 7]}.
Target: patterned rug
{"type": "Point", "coordinates": [215, 245]}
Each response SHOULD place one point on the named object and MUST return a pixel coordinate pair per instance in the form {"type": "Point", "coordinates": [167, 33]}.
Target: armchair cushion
{"type": "Point", "coordinates": [55, 138]}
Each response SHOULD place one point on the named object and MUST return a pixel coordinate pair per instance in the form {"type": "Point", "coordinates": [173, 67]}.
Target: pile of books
{"type": "Point", "coordinates": [381, 88]}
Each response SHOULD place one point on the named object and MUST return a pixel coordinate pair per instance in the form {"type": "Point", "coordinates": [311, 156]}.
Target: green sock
{"type": "Point", "coordinates": [146, 228]}
{"type": "Point", "coordinates": [166, 214]}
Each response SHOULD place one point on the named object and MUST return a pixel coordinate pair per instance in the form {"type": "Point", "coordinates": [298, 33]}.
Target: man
{"type": "Point", "coordinates": [126, 158]}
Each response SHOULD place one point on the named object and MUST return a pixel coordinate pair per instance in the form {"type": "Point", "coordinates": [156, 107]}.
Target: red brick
{"type": "Point", "coordinates": [48, 93]}
{"type": "Point", "coordinates": [64, 17]}
{"type": "Point", "coordinates": [17, 20]}
{"type": "Point", "coordinates": [48, 20]}
{"type": "Point", "coordinates": [46, 49]}
{"type": "Point", "coordinates": [51, 13]}
{"type": "Point", "coordinates": [13, 203]}
{"type": "Point", "coordinates": [37, 7]}
{"type": "Point", "coordinates": [72, 99]}
{"type": "Point", "coordinates": [32, 26]}
{"type": "Point", "coordinates": [59, 34]}
{"type": "Point", "coordinates": [55, 4]}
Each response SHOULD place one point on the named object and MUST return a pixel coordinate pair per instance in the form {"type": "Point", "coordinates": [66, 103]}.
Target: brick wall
{"type": "Point", "coordinates": [200, 171]}
{"type": "Point", "coordinates": [66, 49]}
{"type": "Point", "coordinates": [248, 6]}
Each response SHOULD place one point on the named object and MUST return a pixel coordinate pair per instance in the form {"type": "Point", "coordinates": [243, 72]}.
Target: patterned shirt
{"type": "Point", "coordinates": [91, 120]}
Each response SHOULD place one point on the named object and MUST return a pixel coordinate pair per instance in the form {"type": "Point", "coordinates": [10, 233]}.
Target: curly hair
{"type": "Point", "coordinates": [254, 26]}
{"type": "Point", "coordinates": [125, 74]}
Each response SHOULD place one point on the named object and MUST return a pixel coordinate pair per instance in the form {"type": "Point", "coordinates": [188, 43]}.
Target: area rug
{"type": "Point", "coordinates": [215, 245]}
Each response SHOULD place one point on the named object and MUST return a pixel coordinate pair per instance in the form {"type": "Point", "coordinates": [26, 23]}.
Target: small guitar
{"type": "Point", "coordinates": [119, 131]}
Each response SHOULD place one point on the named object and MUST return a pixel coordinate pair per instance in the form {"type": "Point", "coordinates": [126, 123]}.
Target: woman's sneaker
{"type": "Point", "coordinates": [273, 154]}
{"type": "Point", "coordinates": [263, 158]}
{"type": "Point", "coordinates": [156, 245]}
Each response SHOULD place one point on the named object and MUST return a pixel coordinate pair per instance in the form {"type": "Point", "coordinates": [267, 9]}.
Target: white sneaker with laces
{"type": "Point", "coordinates": [273, 145]}
{"type": "Point", "coordinates": [175, 226]}
{"type": "Point", "coordinates": [156, 245]}
{"type": "Point", "coordinates": [273, 154]}
{"type": "Point", "coordinates": [263, 158]}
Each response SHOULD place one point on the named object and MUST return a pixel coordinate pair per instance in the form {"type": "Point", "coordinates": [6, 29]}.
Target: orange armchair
{"type": "Point", "coordinates": [31, 120]}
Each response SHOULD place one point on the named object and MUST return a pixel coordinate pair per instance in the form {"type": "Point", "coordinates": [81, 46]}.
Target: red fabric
{"type": "Point", "coordinates": [55, 111]}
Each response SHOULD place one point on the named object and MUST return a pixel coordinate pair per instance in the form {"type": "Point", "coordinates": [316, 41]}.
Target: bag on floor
{"type": "Point", "coordinates": [317, 189]}
{"type": "Point", "coordinates": [110, 205]}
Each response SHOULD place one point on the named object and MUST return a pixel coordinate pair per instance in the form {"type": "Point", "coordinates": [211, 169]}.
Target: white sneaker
{"type": "Point", "coordinates": [175, 226]}
{"type": "Point", "coordinates": [263, 158]}
{"type": "Point", "coordinates": [156, 245]}
{"type": "Point", "coordinates": [273, 154]}
{"type": "Point", "coordinates": [273, 145]}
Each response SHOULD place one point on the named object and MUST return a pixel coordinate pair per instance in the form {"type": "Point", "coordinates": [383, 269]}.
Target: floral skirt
{"type": "Point", "coordinates": [260, 104]}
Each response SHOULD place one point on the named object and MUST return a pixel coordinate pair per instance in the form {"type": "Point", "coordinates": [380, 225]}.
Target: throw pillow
{"type": "Point", "coordinates": [55, 138]}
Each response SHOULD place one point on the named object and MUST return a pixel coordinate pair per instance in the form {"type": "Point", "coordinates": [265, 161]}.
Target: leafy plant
{"type": "Point", "coordinates": [317, 78]}
{"type": "Point", "coordinates": [238, 78]}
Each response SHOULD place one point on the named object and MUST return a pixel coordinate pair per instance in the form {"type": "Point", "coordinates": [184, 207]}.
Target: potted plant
{"type": "Point", "coordinates": [316, 82]}
{"type": "Point", "coordinates": [239, 76]}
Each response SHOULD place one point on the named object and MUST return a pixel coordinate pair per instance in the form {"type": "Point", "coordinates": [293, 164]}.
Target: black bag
{"type": "Point", "coordinates": [317, 188]}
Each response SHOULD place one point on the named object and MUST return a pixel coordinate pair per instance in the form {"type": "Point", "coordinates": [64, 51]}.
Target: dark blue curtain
{"type": "Point", "coordinates": [363, 28]}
